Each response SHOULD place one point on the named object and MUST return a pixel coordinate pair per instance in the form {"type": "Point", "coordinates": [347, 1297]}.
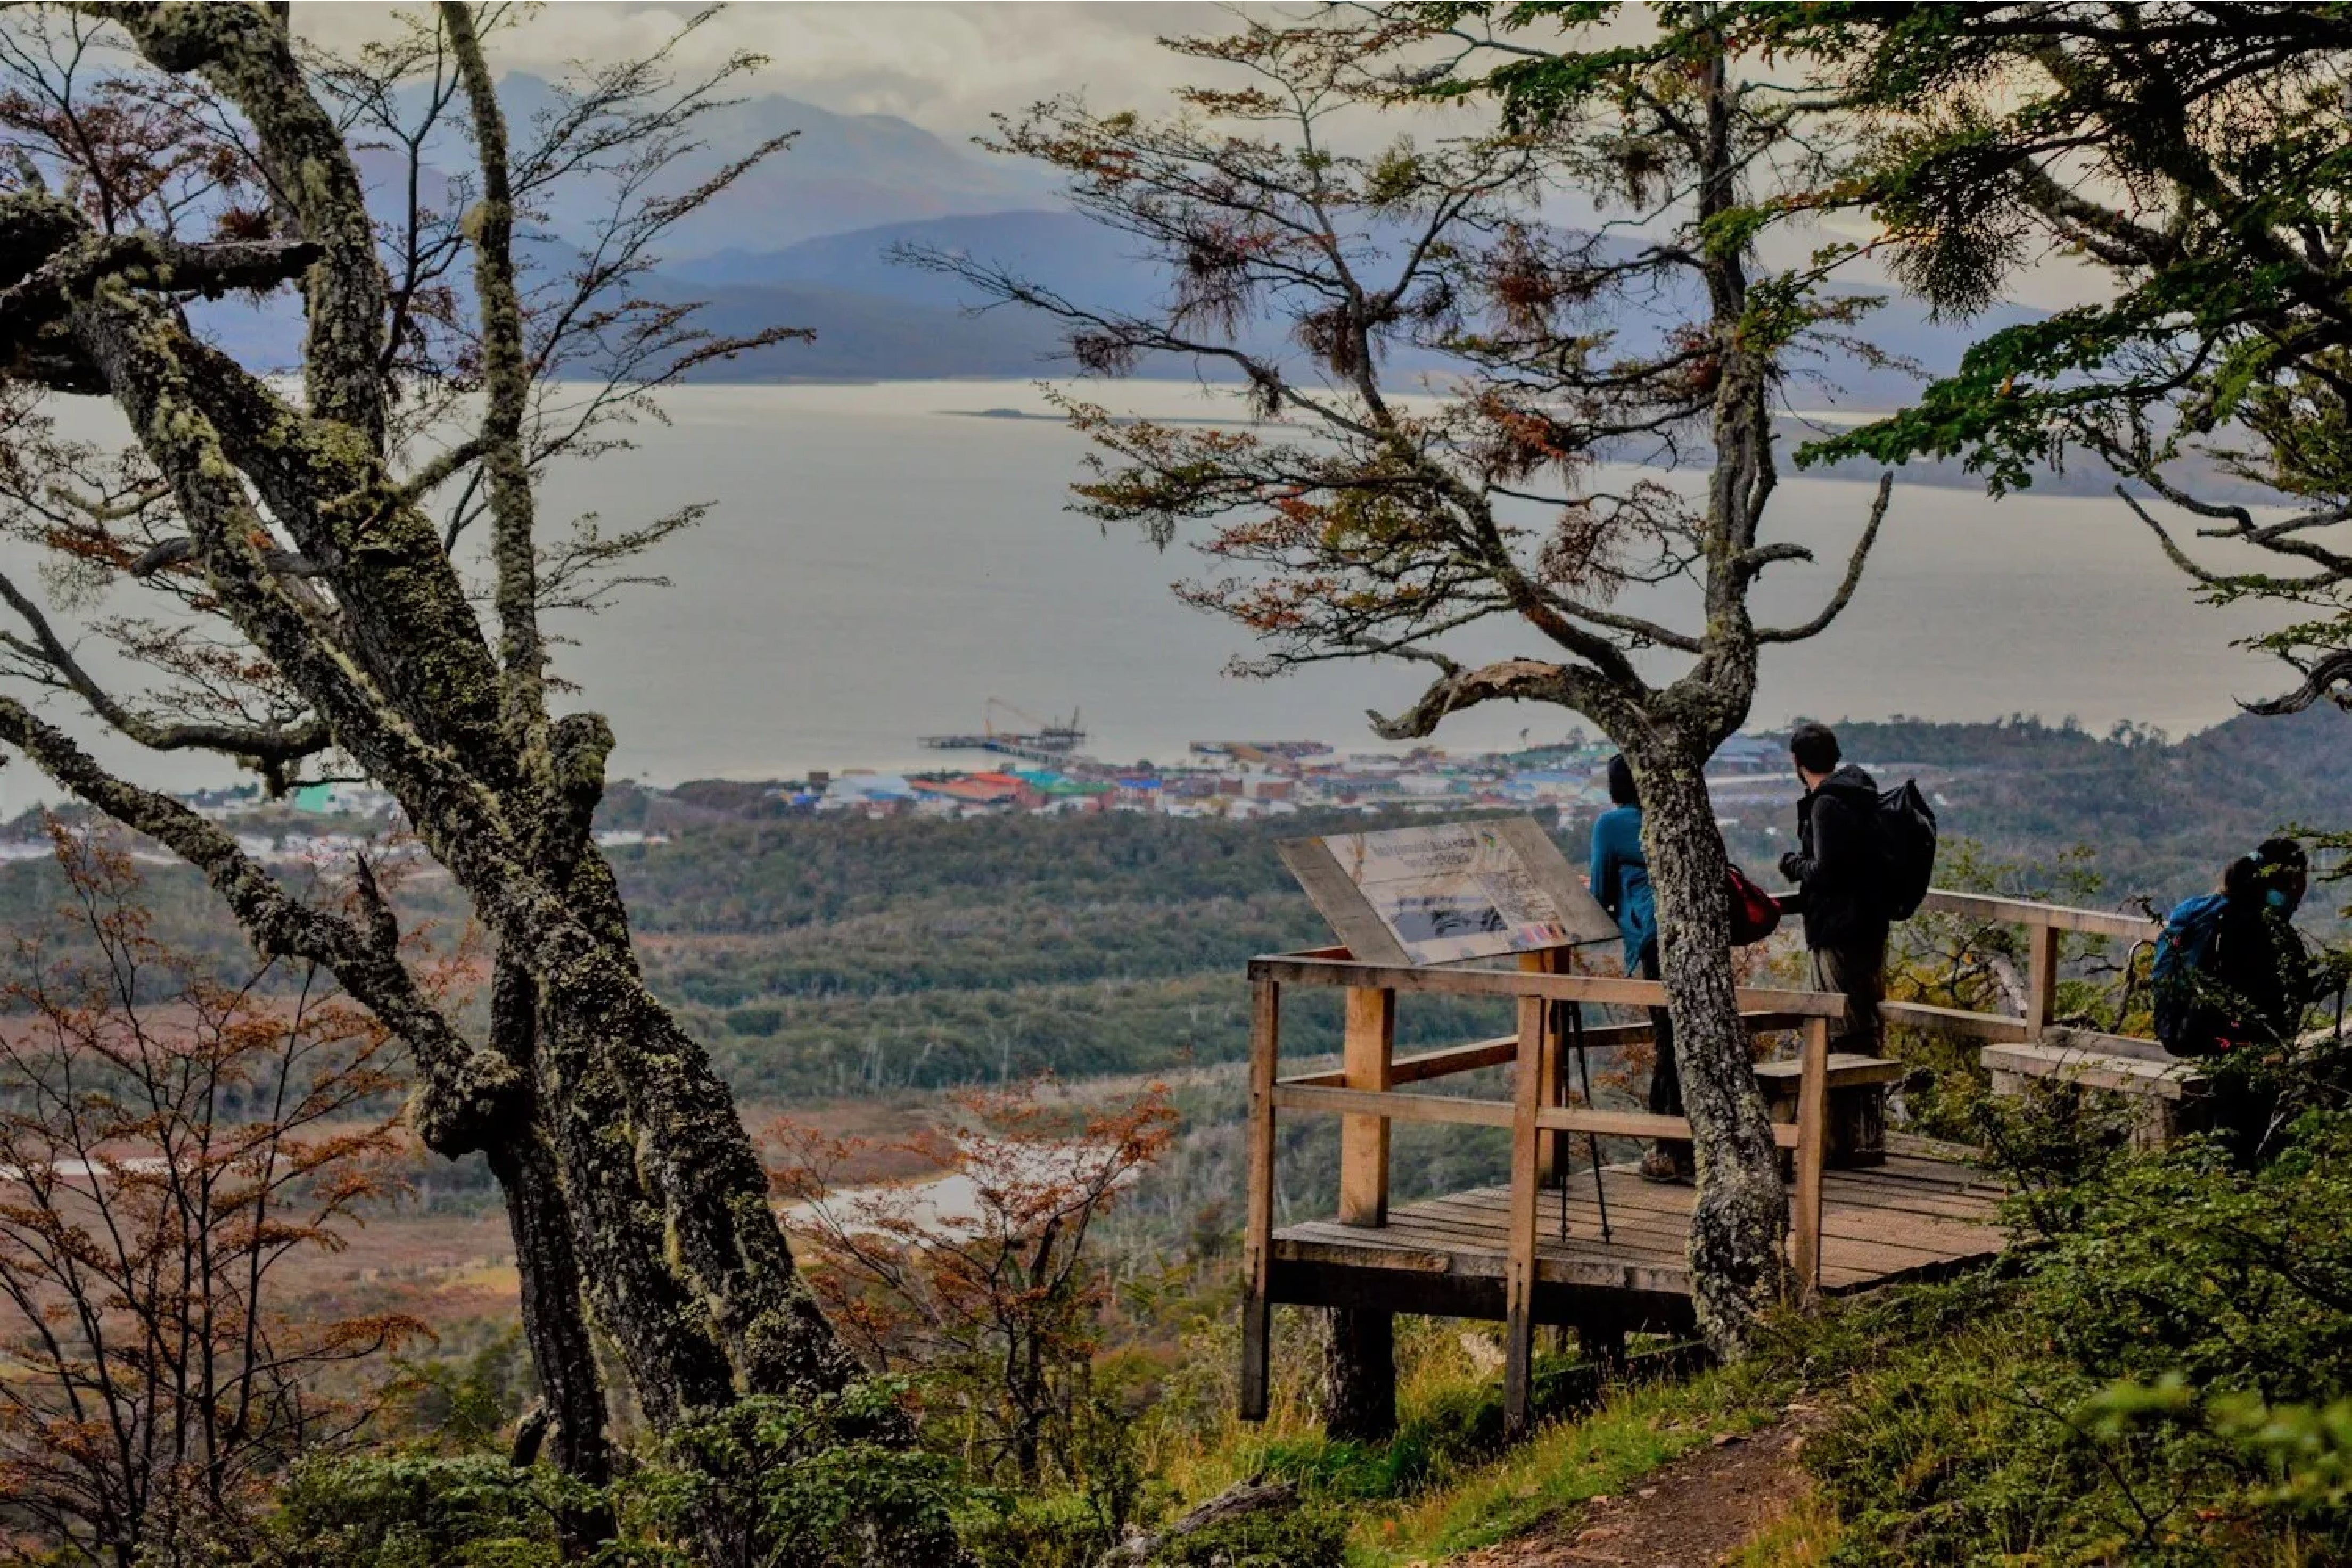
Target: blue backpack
{"type": "Point", "coordinates": [2182, 950]}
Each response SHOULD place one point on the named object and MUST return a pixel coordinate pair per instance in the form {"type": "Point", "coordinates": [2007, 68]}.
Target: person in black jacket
{"type": "Point", "coordinates": [1838, 867]}
{"type": "Point", "coordinates": [2258, 964]}
{"type": "Point", "coordinates": [2256, 988]}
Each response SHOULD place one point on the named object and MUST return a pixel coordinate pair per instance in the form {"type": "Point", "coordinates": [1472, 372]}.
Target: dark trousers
{"type": "Point", "coordinates": [1858, 970]}
{"type": "Point", "coordinates": [1666, 1078]}
{"type": "Point", "coordinates": [2242, 1096]}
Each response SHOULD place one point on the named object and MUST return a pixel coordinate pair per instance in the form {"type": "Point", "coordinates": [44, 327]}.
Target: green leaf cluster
{"type": "Point", "coordinates": [2164, 1382]}
{"type": "Point", "coordinates": [811, 1482]}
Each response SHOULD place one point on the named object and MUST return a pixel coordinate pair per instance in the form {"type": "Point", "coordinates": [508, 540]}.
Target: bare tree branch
{"type": "Point", "coordinates": [1844, 595]}
{"type": "Point", "coordinates": [272, 748]}
{"type": "Point", "coordinates": [468, 1093]}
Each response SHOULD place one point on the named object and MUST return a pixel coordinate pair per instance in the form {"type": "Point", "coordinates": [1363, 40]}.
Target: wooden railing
{"type": "Point", "coordinates": [1364, 1091]}
{"type": "Point", "coordinates": [2044, 924]}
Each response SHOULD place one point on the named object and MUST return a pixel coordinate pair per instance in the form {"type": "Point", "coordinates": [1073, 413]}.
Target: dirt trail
{"type": "Point", "coordinates": [1691, 1513]}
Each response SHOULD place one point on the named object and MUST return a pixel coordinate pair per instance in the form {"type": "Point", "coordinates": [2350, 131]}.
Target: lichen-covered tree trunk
{"type": "Point", "coordinates": [547, 1259]}
{"type": "Point", "coordinates": [631, 1181]}
{"type": "Point", "coordinates": [1738, 1235]}
{"type": "Point", "coordinates": [555, 1327]}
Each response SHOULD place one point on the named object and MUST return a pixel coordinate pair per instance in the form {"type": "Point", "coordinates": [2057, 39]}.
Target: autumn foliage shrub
{"type": "Point", "coordinates": [174, 1139]}
{"type": "Point", "coordinates": [982, 1282]}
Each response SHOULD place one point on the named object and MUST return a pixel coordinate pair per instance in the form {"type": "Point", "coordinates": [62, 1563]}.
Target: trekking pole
{"type": "Point", "coordinates": [1592, 1140]}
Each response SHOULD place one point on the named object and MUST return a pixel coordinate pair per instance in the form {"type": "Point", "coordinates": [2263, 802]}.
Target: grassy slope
{"type": "Point", "coordinates": [1444, 1485]}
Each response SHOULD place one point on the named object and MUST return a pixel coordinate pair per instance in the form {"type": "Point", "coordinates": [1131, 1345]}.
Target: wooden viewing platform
{"type": "Point", "coordinates": [1619, 1262]}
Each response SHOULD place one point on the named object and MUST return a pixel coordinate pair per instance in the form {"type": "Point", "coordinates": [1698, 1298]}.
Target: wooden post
{"type": "Point", "coordinates": [1370, 1047]}
{"type": "Point", "coordinates": [1257, 1229]}
{"type": "Point", "coordinates": [1552, 1148]}
{"type": "Point", "coordinates": [1812, 1153]}
{"type": "Point", "coordinates": [1520, 1255]}
{"type": "Point", "coordinates": [1360, 1353]}
{"type": "Point", "coordinates": [2041, 979]}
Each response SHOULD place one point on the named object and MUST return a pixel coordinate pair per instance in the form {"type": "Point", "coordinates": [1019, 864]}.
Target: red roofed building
{"type": "Point", "coordinates": [983, 792]}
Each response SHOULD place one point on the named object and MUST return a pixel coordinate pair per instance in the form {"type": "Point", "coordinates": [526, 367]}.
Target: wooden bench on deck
{"type": "Point", "coordinates": [1857, 1104]}
{"type": "Point", "coordinates": [2170, 1088]}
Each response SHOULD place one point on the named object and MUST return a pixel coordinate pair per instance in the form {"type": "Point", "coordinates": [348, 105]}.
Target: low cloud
{"type": "Point", "coordinates": [946, 66]}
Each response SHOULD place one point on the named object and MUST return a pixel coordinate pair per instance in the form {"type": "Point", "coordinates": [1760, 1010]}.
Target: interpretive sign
{"type": "Point", "coordinates": [1444, 891]}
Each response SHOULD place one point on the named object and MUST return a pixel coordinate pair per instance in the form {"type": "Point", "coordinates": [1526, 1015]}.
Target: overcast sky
{"type": "Point", "coordinates": [946, 66]}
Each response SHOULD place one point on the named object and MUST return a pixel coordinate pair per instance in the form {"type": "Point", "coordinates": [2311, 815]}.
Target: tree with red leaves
{"type": "Point", "coordinates": [980, 1278]}
{"type": "Point", "coordinates": [171, 1143]}
{"type": "Point", "coordinates": [1445, 383]}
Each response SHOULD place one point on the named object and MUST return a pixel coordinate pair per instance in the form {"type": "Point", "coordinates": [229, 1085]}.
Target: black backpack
{"type": "Point", "coordinates": [1906, 835]}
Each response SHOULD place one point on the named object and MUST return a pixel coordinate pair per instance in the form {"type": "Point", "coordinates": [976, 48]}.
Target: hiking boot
{"type": "Point", "coordinates": [1660, 1164]}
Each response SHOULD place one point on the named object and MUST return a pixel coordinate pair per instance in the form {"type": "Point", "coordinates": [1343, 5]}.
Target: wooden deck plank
{"type": "Point", "coordinates": [1897, 1199]}
{"type": "Point", "coordinates": [1659, 1246]}
{"type": "Point", "coordinates": [1486, 1203]}
{"type": "Point", "coordinates": [1658, 1243]}
{"type": "Point", "coordinates": [1473, 1227]}
{"type": "Point", "coordinates": [1476, 1217]}
{"type": "Point", "coordinates": [1926, 1210]}
{"type": "Point", "coordinates": [1641, 1236]}
{"type": "Point", "coordinates": [1593, 1269]}
{"type": "Point", "coordinates": [1948, 1173]}
{"type": "Point", "coordinates": [1638, 1207]}
{"type": "Point", "coordinates": [1892, 1174]}
{"type": "Point", "coordinates": [1911, 1218]}
{"type": "Point", "coordinates": [1655, 1249]}
{"type": "Point", "coordinates": [1601, 1271]}
{"type": "Point", "coordinates": [1483, 1230]}
{"type": "Point", "coordinates": [1894, 1188]}
{"type": "Point", "coordinates": [1909, 1234]}
{"type": "Point", "coordinates": [1923, 1212]}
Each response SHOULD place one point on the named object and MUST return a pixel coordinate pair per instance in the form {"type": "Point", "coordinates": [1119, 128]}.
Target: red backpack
{"type": "Point", "coordinates": [1754, 913]}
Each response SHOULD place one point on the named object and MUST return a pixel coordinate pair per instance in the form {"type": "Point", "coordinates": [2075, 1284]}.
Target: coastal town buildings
{"type": "Point", "coordinates": [1235, 780]}
{"type": "Point", "coordinates": [1245, 779]}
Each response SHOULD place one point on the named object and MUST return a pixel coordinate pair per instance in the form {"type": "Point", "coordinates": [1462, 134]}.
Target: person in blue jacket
{"type": "Point", "coordinates": [1621, 882]}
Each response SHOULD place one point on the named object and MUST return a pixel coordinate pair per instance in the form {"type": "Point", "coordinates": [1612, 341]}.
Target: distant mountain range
{"type": "Point", "coordinates": [841, 281]}
{"type": "Point", "coordinates": [803, 238]}
{"type": "Point", "coordinates": [840, 172]}
{"type": "Point", "coordinates": [1062, 250]}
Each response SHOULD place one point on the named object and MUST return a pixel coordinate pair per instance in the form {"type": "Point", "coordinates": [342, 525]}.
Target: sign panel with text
{"type": "Point", "coordinates": [1445, 892]}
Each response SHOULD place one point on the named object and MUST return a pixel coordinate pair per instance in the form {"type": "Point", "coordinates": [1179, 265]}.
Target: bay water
{"type": "Point", "coordinates": [881, 560]}
{"type": "Point", "coordinates": [884, 559]}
